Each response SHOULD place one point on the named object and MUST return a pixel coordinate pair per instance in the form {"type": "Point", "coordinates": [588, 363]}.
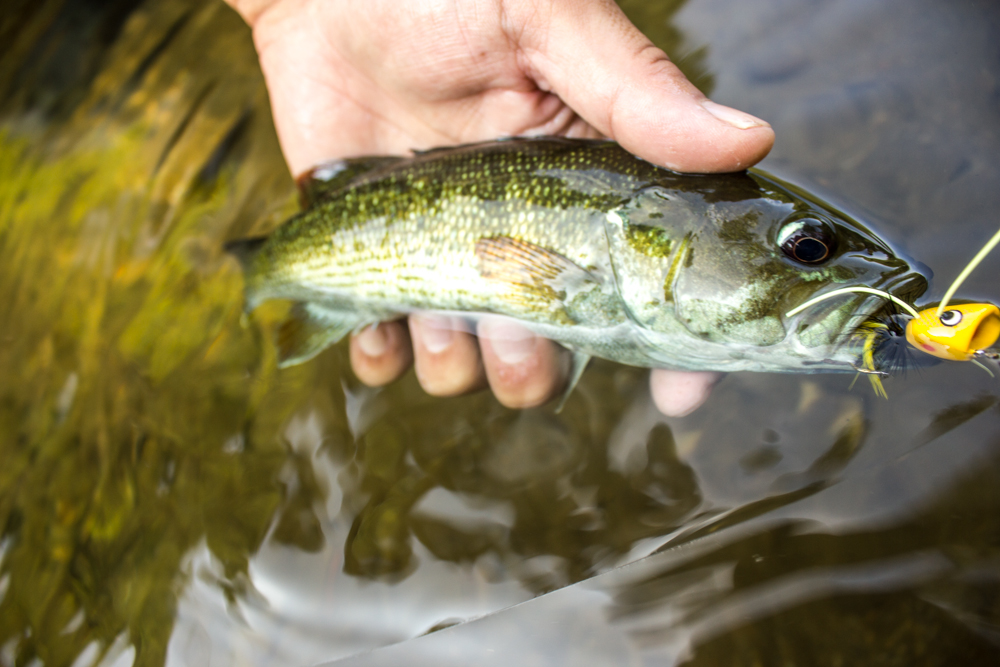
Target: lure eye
{"type": "Point", "coordinates": [807, 241]}
{"type": "Point", "coordinates": [951, 318]}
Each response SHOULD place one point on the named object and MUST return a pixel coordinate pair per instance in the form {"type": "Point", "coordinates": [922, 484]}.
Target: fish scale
{"type": "Point", "coordinates": [581, 242]}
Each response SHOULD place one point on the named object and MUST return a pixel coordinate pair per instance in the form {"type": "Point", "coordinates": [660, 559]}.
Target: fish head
{"type": "Point", "coordinates": [748, 250]}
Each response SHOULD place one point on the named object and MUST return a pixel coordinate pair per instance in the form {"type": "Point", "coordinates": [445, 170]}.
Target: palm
{"type": "Point", "coordinates": [333, 98]}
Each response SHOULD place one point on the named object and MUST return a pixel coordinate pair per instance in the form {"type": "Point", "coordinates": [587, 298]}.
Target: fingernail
{"type": "Point", "coordinates": [373, 341]}
{"type": "Point", "coordinates": [511, 342]}
{"type": "Point", "coordinates": [679, 393]}
{"type": "Point", "coordinates": [436, 333]}
{"type": "Point", "coordinates": [737, 119]}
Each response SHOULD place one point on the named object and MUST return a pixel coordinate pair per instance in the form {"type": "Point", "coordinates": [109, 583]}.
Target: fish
{"type": "Point", "coordinates": [585, 244]}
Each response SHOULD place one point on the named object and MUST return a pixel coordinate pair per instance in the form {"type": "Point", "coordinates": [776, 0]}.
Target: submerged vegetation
{"type": "Point", "coordinates": [127, 381]}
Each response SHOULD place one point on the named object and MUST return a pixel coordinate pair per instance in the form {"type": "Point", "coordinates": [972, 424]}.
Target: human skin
{"type": "Point", "coordinates": [365, 77]}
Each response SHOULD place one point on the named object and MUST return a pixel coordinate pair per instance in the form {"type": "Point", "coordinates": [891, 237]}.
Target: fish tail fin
{"type": "Point", "coordinates": [245, 250]}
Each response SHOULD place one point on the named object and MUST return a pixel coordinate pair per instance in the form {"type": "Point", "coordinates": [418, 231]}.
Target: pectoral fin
{"type": "Point", "coordinates": [327, 178]}
{"type": "Point", "coordinates": [312, 328]}
{"type": "Point", "coordinates": [580, 361]}
{"type": "Point", "coordinates": [532, 277]}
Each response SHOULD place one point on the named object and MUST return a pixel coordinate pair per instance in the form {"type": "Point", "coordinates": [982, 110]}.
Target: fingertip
{"type": "Point", "coordinates": [677, 127]}
{"type": "Point", "coordinates": [523, 370]}
{"type": "Point", "coordinates": [446, 358]}
{"type": "Point", "coordinates": [679, 393]}
{"type": "Point", "coordinates": [381, 353]}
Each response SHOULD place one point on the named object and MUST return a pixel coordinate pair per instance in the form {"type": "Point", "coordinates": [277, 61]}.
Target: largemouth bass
{"type": "Point", "coordinates": [582, 243]}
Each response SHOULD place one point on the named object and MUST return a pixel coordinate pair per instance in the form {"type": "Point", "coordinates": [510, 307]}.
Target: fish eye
{"type": "Point", "coordinates": [951, 318]}
{"type": "Point", "coordinates": [807, 240]}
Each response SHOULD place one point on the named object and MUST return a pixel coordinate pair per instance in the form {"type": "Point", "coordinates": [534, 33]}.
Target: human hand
{"type": "Point", "coordinates": [363, 77]}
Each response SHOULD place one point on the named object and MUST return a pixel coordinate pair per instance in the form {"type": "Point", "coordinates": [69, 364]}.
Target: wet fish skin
{"type": "Point", "coordinates": [581, 242]}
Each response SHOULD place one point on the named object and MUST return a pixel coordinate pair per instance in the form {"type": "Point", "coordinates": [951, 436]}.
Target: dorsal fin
{"type": "Point", "coordinates": [327, 178]}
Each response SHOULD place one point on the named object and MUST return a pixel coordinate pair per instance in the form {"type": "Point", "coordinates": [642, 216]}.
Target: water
{"type": "Point", "coordinates": [168, 497]}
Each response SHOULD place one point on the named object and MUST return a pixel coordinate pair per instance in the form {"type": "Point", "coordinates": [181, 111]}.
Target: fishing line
{"type": "Point", "coordinates": [966, 271]}
{"type": "Point", "coordinates": [848, 290]}
{"type": "Point", "coordinates": [969, 268]}
{"type": "Point", "coordinates": [988, 371]}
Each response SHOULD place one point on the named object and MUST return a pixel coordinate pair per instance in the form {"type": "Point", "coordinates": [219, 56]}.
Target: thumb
{"type": "Point", "coordinates": [595, 60]}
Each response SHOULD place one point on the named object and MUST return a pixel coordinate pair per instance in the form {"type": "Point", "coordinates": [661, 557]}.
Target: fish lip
{"type": "Point", "coordinates": [907, 286]}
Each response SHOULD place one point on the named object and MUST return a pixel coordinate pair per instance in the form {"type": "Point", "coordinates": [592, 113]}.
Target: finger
{"type": "Point", "coordinates": [250, 10]}
{"type": "Point", "coordinates": [381, 353]}
{"type": "Point", "coordinates": [523, 370]}
{"type": "Point", "coordinates": [591, 55]}
{"type": "Point", "coordinates": [679, 393]}
{"type": "Point", "coordinates": [446, 359]}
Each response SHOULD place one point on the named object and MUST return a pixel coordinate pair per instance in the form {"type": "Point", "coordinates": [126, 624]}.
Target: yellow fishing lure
{"type": "Point", "coordinates": [962, 332]}
{"type": "Point", "coordinates": [959, 333]}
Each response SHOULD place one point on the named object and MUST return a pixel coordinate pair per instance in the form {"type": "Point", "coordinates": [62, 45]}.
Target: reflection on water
{"type": "Point", "coordinates": [923, 591]}
{"type": "Point", "coordinates": [168, 497]}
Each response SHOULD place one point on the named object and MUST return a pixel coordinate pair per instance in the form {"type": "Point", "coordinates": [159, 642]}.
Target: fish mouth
{"type": "Point", "coordinates": [907, 288]}
{"type": "Point", "coordinates": [837, 322]}
{"type": "Point", "coordinates": [882, 335]}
